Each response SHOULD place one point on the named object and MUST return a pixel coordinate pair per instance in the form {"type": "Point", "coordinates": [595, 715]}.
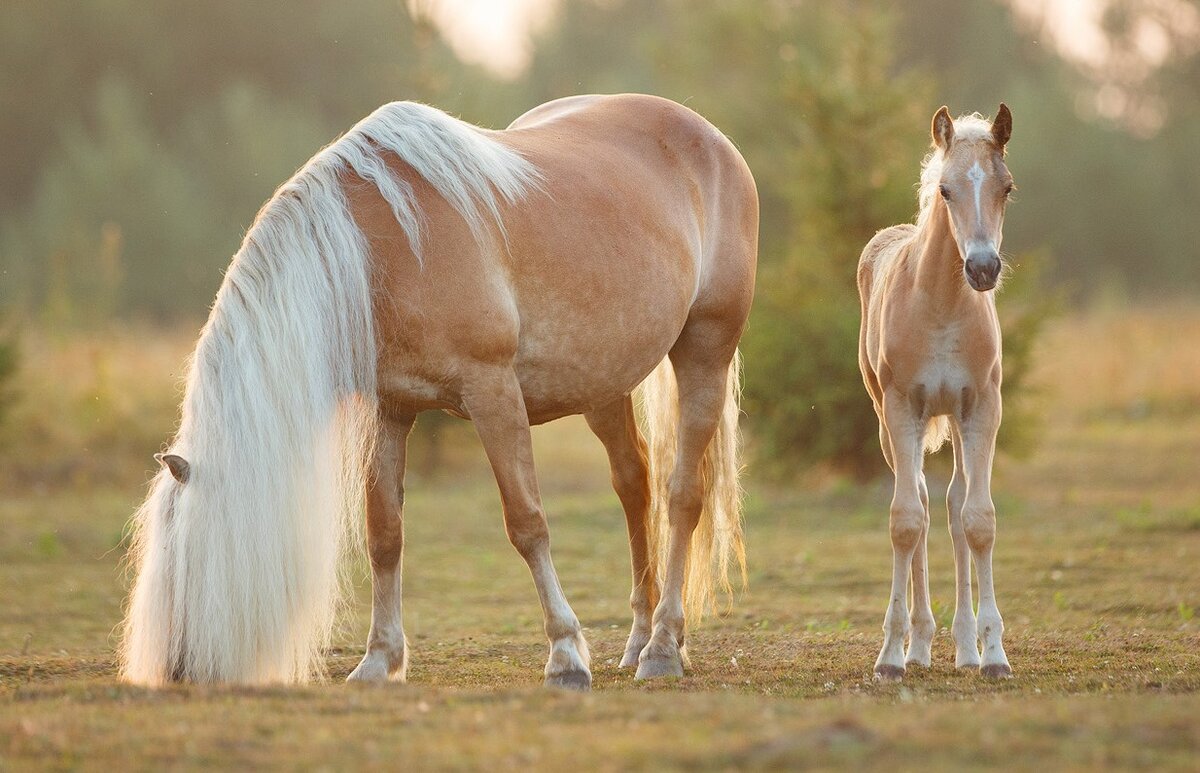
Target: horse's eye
{"type": "Point", "coordinates": [944, 191]}
{"type": "Point", "coordinates": [1008, 189]}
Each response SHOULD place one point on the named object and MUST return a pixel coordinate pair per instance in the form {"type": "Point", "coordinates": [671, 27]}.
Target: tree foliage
{"type": "Point", "coordinates": [142, 138]}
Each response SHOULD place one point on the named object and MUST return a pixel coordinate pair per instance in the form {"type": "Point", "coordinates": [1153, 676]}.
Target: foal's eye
{"type": "Point", "coordinates": [944, 191]}
{"type": "Point", "coordinates": [1008, 190]}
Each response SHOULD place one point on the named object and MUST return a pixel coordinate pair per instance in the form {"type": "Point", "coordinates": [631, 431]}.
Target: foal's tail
{"type": "Point", "coordinates": [937, 432]}
{"type": "Point", "coordinates": [717, 542]}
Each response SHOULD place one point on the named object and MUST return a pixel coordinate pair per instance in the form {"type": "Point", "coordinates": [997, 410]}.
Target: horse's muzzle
{"type": "Point", "coordinates": [982, 270]}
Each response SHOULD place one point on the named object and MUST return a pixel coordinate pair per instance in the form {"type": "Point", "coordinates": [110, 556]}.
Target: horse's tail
{"type": "Point", "coordinates": [937, 432]}
{"type": "Point", "coordinates": [237, 547]}
{"type": "Point", "coordinates": [717, 543]}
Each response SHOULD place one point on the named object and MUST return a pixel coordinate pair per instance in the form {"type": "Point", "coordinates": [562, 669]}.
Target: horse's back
{"type": "Point", "coordinates": [644, 214]}
{"type": "Point", "coordinates": [880, 255]}
{"type": "Point", "coordinates": [649, 220]}
{"type": "Point", "coordinates": [878, 259]}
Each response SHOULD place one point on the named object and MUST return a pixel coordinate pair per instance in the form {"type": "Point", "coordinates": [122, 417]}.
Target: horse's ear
{"type": "Point", "coordinates": [1002, 125]}
{"type": "Point", "coordinates": [177, 465]}
{"type": "Point", "coordinates": [943, 128]}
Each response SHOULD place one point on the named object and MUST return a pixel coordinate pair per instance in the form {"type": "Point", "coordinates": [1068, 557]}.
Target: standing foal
{"type": "Point", "coordinates": [929, 350]}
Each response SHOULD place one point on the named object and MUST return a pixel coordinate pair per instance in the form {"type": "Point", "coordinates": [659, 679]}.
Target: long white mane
{"type": "Point", "coordinates": [237, 569]}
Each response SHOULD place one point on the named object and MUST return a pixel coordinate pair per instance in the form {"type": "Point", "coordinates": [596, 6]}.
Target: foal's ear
{"type": "Point", "coordinates": [943, 128]}
{"type": "Point", "coordinates": [1002, 125]}
{"type": "Point", "coordinates": [177, 465]}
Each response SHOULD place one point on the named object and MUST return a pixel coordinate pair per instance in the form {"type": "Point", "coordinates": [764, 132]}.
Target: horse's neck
{"type": "Point", "coordinates": [938, 267]}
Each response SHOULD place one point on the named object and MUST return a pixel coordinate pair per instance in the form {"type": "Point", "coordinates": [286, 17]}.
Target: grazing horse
{"type": "Point", "coordinates": [508, 277]}
{"type": "Point", "coordinates": [929, 350]}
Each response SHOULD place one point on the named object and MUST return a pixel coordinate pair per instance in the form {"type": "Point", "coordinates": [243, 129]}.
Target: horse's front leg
{"type": "Point", "coordinates": [979, 525]}
{"type": "Point", "coordinates": [907, 524]}
{"type": "Point", "coordinates": [496, 406]}
{"type": "Point", "coordinates": [966, 643]}
{"type": "Point", "coordinates": [617, 429]}
{"type": "Point", "coordinates": [920, 642]}
{"type": "Point", "coordinates": [387, 650]}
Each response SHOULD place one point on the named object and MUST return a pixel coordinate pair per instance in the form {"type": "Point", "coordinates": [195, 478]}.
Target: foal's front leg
{"type": "Point", "coordinates": [387, 650]}
{"type": "Point", "coordinates": [979, 526]}
{"type": "Point", "coordinates": [966, 641]}
{"type": "Point", "coordinates": [907, 525]}
{"type": "Point", "coordinates": [497, 408]}
{"type": "Point", "coordinates": [920, 642]}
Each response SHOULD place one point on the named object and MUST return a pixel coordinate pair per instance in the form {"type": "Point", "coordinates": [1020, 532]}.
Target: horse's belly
{"type": "Point", "coordinates": [580, 363]}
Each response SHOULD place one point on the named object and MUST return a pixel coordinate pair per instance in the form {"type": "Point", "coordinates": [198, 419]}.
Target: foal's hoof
{"type": "Point", "coordinates": [577, 680]}
{"type": "Point", "coordinates": [996, 671]}
{"type": "Point", "coordinates": [888, 673]}
{"type": "Point", "coordinates": [655, 667]}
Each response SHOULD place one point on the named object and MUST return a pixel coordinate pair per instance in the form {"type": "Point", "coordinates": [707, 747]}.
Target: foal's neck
{"type": "Point", "coordinates": [938, 265]}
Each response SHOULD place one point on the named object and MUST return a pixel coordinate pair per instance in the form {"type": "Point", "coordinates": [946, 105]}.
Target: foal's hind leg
{"type": "Point", "coordinates": [496, 406]}
{"type": "Point", "coordinates": [701, 360]}
{"type": "Point", "coordinates": [617, 429]}
{"type": "Point", "coordinates": [387, 651]}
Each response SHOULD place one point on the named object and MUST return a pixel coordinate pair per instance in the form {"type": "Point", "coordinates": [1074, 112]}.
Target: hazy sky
{"type": "Point", "coordinates": [490, 32]}
{"type": "Point", "coordinates": [496, 32]}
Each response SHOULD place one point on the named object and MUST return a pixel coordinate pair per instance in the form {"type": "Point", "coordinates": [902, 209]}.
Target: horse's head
{"type": "Point", "coordinates": [975, 185]}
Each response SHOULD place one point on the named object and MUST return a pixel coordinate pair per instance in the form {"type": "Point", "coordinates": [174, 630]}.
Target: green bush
{"type": "Point", "coordinates": [9, 361]}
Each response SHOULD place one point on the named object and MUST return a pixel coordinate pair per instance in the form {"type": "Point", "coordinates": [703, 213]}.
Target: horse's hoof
{"type": "Point", "coordinates": [925, 665]}
{"type": "Point", "coordinates": [370, 671]}
{"type": "Point", "coordinates": [996, 671]}
{"type": "Point", "coordinates": [653, 668]}
{"type": "Point", "coordinates": [886, 672]}
{"type": "Point", "coordinates": [577, 680]}
{"type": "Point", "coordinates": [969, 665]}
{"type": "Point", "coordinates": [633, 649]}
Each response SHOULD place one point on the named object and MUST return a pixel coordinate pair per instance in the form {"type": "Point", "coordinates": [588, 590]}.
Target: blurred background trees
{"type": "Point", "coordinates": [142, 138]}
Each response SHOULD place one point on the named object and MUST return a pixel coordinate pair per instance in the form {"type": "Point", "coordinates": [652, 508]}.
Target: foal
{"type": "Point", "coordinates": [929, 350]}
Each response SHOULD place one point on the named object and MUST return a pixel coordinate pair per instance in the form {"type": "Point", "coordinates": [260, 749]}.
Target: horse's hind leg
{"type": "Point", "coordinates": [496, 406]}
{"type": "Point", "coordinates": [387, 651]}
{"type": "Point", "coordinates": [701, 359]}
{"type": "Point", "coordinates": [617, 429]}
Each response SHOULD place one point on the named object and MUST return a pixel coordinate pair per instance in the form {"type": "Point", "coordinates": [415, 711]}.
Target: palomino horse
{"type": "Point", "coordinates": [929, 350]}
{"type": "Point", "coordinates": [508, 277]}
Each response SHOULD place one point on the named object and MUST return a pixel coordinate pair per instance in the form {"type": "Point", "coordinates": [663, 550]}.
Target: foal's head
{"type": "Point", "coordinates": [975, 185]}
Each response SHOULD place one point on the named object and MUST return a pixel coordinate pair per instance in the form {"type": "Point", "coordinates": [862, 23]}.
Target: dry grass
{"type": "Point", "coordinates": [1097, 569]}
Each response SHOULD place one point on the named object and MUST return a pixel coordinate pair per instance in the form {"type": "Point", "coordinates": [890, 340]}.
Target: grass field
{"type": "Point", "coordinates": [1097, 573]}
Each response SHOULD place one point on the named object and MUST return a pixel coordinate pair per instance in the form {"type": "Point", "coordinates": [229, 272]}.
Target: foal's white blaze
{"type": "Point", "coordinates": [976, 175]}
{"type": "Point", "coordinates": [979, 245]}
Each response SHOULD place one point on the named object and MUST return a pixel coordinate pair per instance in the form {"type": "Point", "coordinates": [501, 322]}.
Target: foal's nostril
{"type": "Point", "coordinates": [983, 270]}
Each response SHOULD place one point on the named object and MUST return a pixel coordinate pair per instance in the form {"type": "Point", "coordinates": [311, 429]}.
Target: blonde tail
{"type": "Point", "coordinates": [717, 542]}
{"type": "Point", "coordinates": [937, 432]}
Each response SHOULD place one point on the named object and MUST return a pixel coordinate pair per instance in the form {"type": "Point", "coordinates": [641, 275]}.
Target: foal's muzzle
{"type": "Point", "coordinates": [982, 270]}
